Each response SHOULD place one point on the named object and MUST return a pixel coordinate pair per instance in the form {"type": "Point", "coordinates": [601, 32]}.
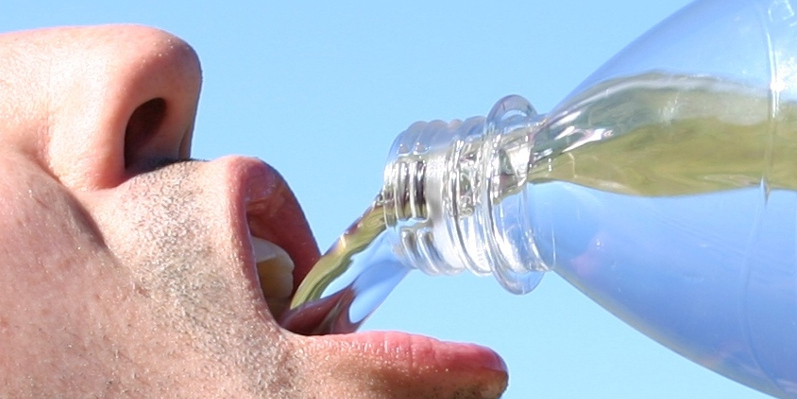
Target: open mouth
{"type": "Point", "coordinates": [279, 249]}
{"type": "Point", "coordinates": [282, 252]}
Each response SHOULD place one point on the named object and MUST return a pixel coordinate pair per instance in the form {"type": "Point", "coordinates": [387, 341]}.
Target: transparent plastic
{"type": "Point", "coordinates": [664, 187]}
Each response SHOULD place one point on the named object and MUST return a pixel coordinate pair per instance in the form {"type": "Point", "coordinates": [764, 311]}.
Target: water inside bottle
{"type": "Point", "coordinates": [671, 201]}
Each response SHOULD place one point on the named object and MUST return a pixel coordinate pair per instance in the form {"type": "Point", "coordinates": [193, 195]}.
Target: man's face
{"type": "Point", "coordinates": [128, 269]}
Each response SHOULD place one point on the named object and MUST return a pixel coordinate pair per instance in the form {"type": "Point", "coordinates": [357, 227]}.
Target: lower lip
{"type": "Point", "coordinates": [415, 351]}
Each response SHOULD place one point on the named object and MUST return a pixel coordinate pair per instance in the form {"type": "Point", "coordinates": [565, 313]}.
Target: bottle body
{"type": "Point", "coordinates": [664, 188]}
{"type": "Point", "coordinates": [682, 223]}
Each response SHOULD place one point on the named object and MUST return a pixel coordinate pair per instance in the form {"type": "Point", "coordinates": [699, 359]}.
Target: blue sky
{"type": "Point", "coordinates": [319, 90]}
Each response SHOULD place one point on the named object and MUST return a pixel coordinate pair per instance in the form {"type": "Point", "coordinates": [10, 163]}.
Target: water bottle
{"type": "Point", "coordinates": [664, 188]}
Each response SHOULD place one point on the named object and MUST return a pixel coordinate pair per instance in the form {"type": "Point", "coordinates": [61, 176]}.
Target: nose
{"type": "Point", "coordinates": [122, 98]}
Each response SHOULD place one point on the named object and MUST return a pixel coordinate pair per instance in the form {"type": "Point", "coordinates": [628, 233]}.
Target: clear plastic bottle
{"type": "Point", "coordinates": [664, 188]}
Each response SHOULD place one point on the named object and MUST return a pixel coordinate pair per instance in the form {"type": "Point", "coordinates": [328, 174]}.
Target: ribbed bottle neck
{"type": "Point", "coordinates": [453, 196]}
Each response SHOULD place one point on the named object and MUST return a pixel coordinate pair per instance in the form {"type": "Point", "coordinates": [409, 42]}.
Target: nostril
{"type": "Point", "coordinates": [143, 125]}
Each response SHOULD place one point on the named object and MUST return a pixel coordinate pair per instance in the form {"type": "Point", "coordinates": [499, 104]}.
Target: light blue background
{"type": "Point", "coordinates": [319, 90]}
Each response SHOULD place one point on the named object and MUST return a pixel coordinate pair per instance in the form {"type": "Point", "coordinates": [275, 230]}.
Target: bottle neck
{"type": "Point", "coordinates": [453, 196]}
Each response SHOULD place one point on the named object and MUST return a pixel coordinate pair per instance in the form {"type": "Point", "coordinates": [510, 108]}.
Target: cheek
{"type": "Point", "coordinates": [60, 286]}
{"type": "Point", "coordinates": [46, 237]}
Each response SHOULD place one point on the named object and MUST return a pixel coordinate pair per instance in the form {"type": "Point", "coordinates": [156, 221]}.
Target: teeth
{"type": "Point", "coordinates": [275, 269]}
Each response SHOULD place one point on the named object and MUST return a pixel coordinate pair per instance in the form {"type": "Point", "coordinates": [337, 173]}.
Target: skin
{"type": "Point", "coordinates": [127, 267]}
